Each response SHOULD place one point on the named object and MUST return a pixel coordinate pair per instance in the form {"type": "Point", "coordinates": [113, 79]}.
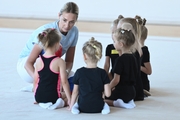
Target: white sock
{"type": "Point", "coordinates": [132, 103]}
{"type": "Point", "coordinates": [59, 104]}
{"type": "Point", "coordinates": [121, 103]}
{"type": "Point", "coordinates": [45, 105]}
{"type": "Point", "coordinates": [27, 88]}
{"type": "Point", "coordinates": [105, 109]}
{"type": "Point", "coordinates": [75, 108]}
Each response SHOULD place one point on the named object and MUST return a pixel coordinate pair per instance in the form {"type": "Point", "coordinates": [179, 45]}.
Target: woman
{"type": "Point", "coordinates": [68, 16]}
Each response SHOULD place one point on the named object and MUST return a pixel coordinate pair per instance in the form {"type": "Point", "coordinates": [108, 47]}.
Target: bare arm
{"type": "Point", "coordinates": [107, 90]}
{"type": "Point", "coordinates": [64, 80]}
{"type": "Point", "coordinates": [115, 81]}
{"type": "Point", "coordinates": [29, 66]}
{"type": "Point", "coordinates": [74, 95]}
{"type": "Point", "coordinates": [146, 68]}
{"type": "Point", "coordinates": [107, 64]}
{"type": "Point", "coordinates": [35, 75]}
{"type": "Point", "coordinates": [69, 59]}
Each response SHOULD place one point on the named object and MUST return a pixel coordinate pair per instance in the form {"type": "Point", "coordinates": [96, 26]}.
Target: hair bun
{"type": "Point", "coordinates": [92, 38]}
{"type": "Point", "coordinates": [139, 19]}
{"type": "Point", "coordinates": [144, 21]}
{"type": "Point", "coordinates": [120, 17]}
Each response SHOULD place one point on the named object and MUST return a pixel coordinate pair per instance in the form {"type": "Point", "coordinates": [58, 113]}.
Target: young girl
{"type": "Point", "coordinates": [50, 73]}
{"type": "Point", "coordinates": [125, 71]}
{"type": "Point", "coordinates": [111, 52]}
{"type": "Point", "coordinates": [145, 64]}
{"type": "Point", "coordinates": [90, 82]}
{"type": "Point", "coordinates": [137, 51]}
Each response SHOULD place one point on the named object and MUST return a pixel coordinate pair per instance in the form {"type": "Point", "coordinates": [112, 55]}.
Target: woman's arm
{"type": "Point", "coordinates": [74, 95]}
{"type": "Point", "coordinates": [29, 66]}
{"type": "Point", "coordinates": [107, 64]}
{"type": "Point", "coordinates": [146, 68]}
{"type": "Point", "coordinates": [114, 81]}
{"type": "Point", "coordinates": [69, 59]}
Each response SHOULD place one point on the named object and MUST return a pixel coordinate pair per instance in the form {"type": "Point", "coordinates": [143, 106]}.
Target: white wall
{"type": "Point", "coordinates": [155, 11]}
{"type": "Point", "coordinates": [164, 53]}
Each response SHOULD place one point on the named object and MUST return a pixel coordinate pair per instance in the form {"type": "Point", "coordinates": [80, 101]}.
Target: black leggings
{"type": "Point", "coordinates": [126, 93]}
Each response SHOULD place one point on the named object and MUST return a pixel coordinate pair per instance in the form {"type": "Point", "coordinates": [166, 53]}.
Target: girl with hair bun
{"type": "Point", "coordinates": [145, 63]}
{"type": "Point", "coordinates": [48, 69]}
{"type": "Point", "coordinates": [111, 52]}
{"type": "Point", "coordinates": [125, 71]}
{"type": "Point", "coordinates": [90, 82]}
{"type": "Point", "coordinates": [136, 23]}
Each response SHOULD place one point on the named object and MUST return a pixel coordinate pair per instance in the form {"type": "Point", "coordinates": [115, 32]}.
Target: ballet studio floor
{"type": "Point", "coordinates": [164, 104]}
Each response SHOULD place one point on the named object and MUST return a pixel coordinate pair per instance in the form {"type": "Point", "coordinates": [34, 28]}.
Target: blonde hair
{"type": "Point", "coordinates": [126, 36]}
{"type": "Point", "coordinates": [116, 21]}
{"type": "Point", "coordinates": [144, 32]}
{"type": "Point", "coordinates": [70, 7]}
{"type": "Point", "coordinates": [136, 25]}
{"type": "Point", "coordinates": [93, 49]}
{"type": "Point", "coordinates": [49, 37]}
{"type": "Point", "coordinates": [127, 26]}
